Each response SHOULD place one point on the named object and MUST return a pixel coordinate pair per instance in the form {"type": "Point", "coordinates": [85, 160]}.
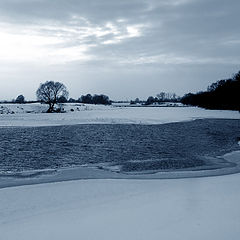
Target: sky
{"type": "Point", "coordinates": [124, 49]}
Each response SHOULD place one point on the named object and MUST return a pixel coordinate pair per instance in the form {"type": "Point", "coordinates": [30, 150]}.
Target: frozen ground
{"type": "Point", "coordinates": [31, 115]}
{"type": "Point", "coordinates": [170, 209]}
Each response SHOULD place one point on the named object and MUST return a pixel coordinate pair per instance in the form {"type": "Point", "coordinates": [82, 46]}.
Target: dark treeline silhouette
{"type": "Point", "coordinates": [223, 94]}
{"type": "Point", "coordinates": [95, 99]}
{"type": "Point", "coordinates": [137, 101]}
{"type": "Point", "coordinates": [19, 99]}
{"type": "Point", "coordinates": [162, 97]}
{"type": "Point", "coordinates": [92, 99]}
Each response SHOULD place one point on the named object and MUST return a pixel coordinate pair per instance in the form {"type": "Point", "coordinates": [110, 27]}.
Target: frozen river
{"type": "Point", "coordinates": [123, 147]}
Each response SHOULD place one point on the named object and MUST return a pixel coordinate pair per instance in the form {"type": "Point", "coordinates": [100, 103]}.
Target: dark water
{"type": "Point", "coordinates": [134, 147]}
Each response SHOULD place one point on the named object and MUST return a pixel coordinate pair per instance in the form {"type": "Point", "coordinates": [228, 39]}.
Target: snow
{"type": "Point", "coordinates": [170, 209]}
{"type": "Point", "coordinates": [31, 115]}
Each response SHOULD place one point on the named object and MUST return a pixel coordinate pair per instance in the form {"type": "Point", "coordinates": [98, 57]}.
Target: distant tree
{"type": "Point", "coordinates": [86, 99]}
{"type": "Point", "coordinates": [214, 86]}
{"type": "Point", "coordinates": [174, 96]}
{"type": "Point", "coordinates": [188, 98]}
{"type": "Point", "coordinates": [150, 100]}
{"type": "Point", "coordinates": [62, 99]}
{"type": "Point", "coordinates": [72, 100]}
{"type": "Point", "coordinates": [137, 100]}
{"type": "Point", "coordinates": [161, 96]}
{"type": "Point", "coordinates": [95, 99]}
{"type": "Point", "coordinates": [49, 92]}
{"type": "Point", "coordinates": [167, 97]}
{"type": "Point", "coordinates": [236, 77]}
{"type": "Point", "coordinates": [101, 99]}
{"type": "Point", "coordinates": [20, 99]}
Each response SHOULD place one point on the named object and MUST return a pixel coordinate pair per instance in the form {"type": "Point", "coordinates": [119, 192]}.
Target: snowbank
{"type": "Point", "coordinates": [197, 208]}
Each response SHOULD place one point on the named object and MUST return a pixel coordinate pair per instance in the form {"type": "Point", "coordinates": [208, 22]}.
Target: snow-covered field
{"type": "Point", "coordinates": [170, 209]}
{"type": "Point", "coordinates": [176, 209]}
{"type": "Point", "coordinates": [31, 115]}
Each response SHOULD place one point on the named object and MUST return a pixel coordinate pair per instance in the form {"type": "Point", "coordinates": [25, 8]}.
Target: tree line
{"type": "Point", "coordinates": [92, 99]}
{"type": "Point", "coordinates": [53, 93]}
{"type": "Point", "coordinates": [223, 94]}
{"type": "Point", "coordinates": [163, 97]}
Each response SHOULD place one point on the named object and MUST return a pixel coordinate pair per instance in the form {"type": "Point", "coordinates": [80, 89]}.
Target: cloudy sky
{"type": "Point", "coordinates": [123, 48]}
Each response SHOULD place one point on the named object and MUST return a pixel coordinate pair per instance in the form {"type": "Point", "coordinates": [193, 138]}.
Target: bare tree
{"type": "Point", "coordinates": [161, 96]}
{"type": "Point", "coordinates": [49, 92]}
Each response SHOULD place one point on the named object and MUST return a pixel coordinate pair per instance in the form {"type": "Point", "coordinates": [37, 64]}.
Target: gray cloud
{"type": "Point", "coordinates": [160, 40]}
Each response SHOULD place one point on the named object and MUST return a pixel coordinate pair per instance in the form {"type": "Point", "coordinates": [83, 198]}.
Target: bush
{"type": "Point", "coordinates": [20, 99]}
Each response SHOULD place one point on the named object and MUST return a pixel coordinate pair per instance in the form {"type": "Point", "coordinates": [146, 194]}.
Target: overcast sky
{"type": "Point", "coordinates": [122, 48]}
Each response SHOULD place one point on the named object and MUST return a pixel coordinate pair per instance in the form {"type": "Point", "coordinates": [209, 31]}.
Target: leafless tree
{"type": "Point", "coordinates": [49, 92]}
{"type": "Point", "coordinates": [161, 96]}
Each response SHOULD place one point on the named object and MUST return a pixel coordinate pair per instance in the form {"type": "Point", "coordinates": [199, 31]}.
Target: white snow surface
{"type": "Point", "coordinates": [170, 209]}
{"type": "Point", "coordinates": [121, 209]}
{"type": "Point", "coordinates": [32, 115]}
